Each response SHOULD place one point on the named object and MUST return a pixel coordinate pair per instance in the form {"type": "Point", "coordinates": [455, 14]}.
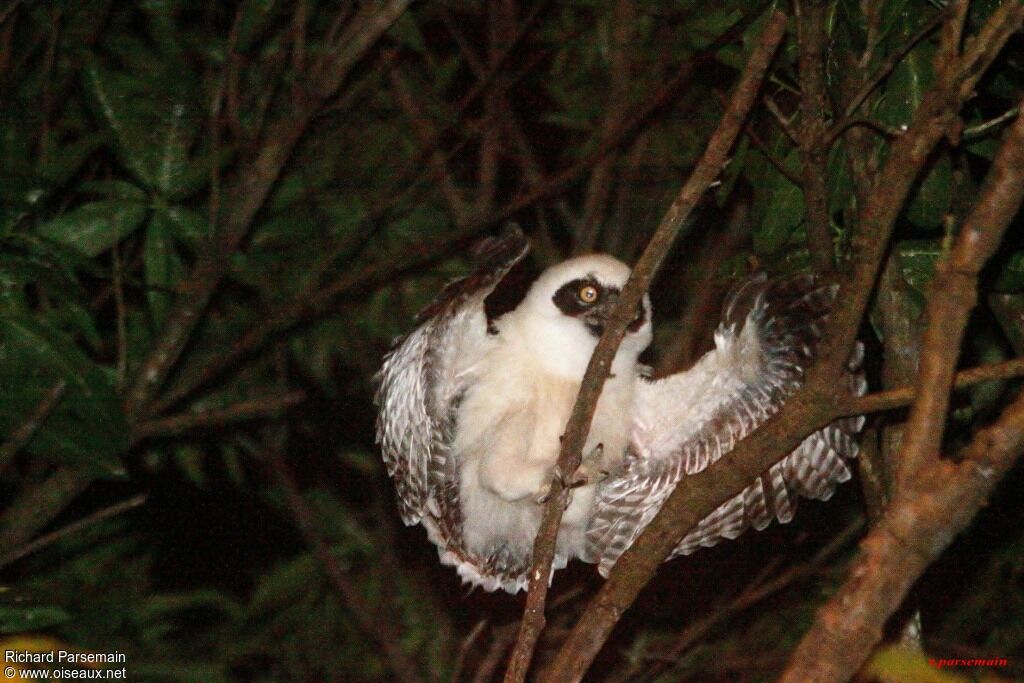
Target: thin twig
{"type": "Point", "coordinates": [904, 396]}
{"type": "Point", "coordinates": [813, 138]}
{"type": "Point", "coordinates": [23, 433]}
{"type": "Point", "coordinates": [758, 590]}
{"type": "Point", "coordinates": [935, 499]}
{"type": "Point", "coordinates": [37, 505]}
{"type": "Point", "coordinates": [361, 611]}
{"type": "Point", "coordinates": [705, 172]}
{"type": "Point", "coordinates": [891, 62]}
{"type": "Point", "coordinates": [811, 408]}
{"type": "Point", "coordinates": [845, 124]}
{"type": "Point", "coordinates": [467, 644]}
{"type": "Point", "coordinates": [984, 127]}
{"type": "Point", "coordinates": [785, 123]}
{"type": "Point", "coordinates": [771, 156]}
{"type": "Point", "coordinates": [242, 411]}
{"type": "Point", "coordinates": [73, 528]}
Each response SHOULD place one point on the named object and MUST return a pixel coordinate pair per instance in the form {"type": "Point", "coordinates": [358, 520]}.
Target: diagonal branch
{"type": "Point", "coordinates": [935, 499]}
{"type": "Point", "coordinates": [814, 106]}
{"type": "Point", "coordinates": [906, 395]}
{"type": "Point", "coordinates": [23, 433]}
{"type": "Point", "coordinates": [813, 407]}
{"type": "Point", "coordinates": [917, 527]}
{"type": "Point", "coordinates": [953, 295]}
{"type": "Point", "coordinates": [245, 199]}
{"type": "Point", "coordinates": [707, 169]}
{"type": "Point", "coordinates": [15, 554]}
{"type": "Point", "coordinates": [242, 411]}
{"type": "Point", "coordinates": [363, 614]}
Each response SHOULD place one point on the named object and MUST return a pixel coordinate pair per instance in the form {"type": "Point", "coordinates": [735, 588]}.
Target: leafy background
{"type": "Point", "coordinates": [225, 517]}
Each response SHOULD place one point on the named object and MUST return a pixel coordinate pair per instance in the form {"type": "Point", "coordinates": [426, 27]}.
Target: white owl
{"type": "Point", "coordinates": [471, 412]}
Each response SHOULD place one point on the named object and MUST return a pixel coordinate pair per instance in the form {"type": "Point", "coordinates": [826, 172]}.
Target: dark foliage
{"type": "Point", "coordinates": [214, 217]}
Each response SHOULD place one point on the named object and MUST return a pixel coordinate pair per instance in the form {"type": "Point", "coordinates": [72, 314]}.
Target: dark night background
{"type": "Point", "coordinates": [215, 217]}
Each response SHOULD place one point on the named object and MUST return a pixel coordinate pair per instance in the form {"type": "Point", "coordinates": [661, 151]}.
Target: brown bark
{"type": "Point", "coordinates": [703, 175]}
{"type": "Point", "coordinates": [935, 499]}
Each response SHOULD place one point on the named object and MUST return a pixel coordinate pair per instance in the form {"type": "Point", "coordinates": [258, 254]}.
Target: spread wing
{"type": "Point", "coordinates": [686, 421]}
{"type": "Point", "coordinates": [421, 382]}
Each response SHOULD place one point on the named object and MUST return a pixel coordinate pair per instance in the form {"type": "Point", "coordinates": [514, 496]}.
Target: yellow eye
{"type": "Point", "coordinates": [588, 294]}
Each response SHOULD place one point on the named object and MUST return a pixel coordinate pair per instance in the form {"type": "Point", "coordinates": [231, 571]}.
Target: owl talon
{"type": "Point", "coordinates": [590, 470]}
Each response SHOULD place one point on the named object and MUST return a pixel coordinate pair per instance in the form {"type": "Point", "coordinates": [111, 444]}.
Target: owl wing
{"type": "Point", "coordinates": [685, 422]}
{"type": "Point", "coordinates": [423, 378]}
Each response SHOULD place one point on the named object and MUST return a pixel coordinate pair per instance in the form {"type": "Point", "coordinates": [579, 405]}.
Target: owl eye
{"type": "Point", "coordinates": [588, 294]}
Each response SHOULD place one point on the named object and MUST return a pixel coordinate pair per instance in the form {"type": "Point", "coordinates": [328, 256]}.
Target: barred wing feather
{"type": "Point", "coordinates": [687, 421]}
{"type": "Point", "coordinates": [421, 382]}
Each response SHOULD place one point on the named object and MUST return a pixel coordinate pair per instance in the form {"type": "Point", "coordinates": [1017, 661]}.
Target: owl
{"type": "Point", "coordinates": [471, 411]}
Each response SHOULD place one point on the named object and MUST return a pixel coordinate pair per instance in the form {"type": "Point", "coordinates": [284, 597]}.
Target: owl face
{"type": "Point", "coordinates": [568, 307]}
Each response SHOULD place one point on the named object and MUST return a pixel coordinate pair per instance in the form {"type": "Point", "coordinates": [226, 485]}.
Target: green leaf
{"type": "Point", "coordinates": [1011, 275]}
{"type": "Point", "coordinates": [65, 162]}
{"type": "Point", "coordinates": [934, 195]}
{"type": "Point", "coordinates": [783, 215]}
{"type": "Point", "coordinates": [113, 96]}
{"type": "Point", "coordinates": [152, 115]}
{"type": "Point", "coordinates": [909, 80]}
{"type": "Point", "coordinates": [917, 261]}
{"type": "Point", "coordinates": [164, 266]}
{"type": "Point", "coordinates": [22, 619]}
{"type": "Point", "coordinates": [87, 426]}
{"type": "Point", "coordinates": [173, 166]}
{"type": "Point", "coordinates": [96, 227]}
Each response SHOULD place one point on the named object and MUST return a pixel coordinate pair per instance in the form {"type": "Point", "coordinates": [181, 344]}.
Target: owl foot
{"type": "Point", "coordinates": [589, 472]}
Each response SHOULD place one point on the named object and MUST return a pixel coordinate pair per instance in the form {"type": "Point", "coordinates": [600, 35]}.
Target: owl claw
{"type": "Point", "coordinates": [589, 472]}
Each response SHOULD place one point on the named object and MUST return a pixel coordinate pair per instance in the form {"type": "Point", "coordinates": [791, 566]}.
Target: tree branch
{"type": "Point", "coordinates": [952, 296]}
{"type": "Point", "coordinates": [574, 438]}
{"type": "Point", "coordinates": [813, 132]}
{"type": "Point", "coordinates": [37, 505]}
{"type": "Point", "coordinates": [811, 408]}
{"type": "Point", "coordinates": [906, 395]}
{"type": "Point", "coordinates": [246, 197]}
{"type": "Point", "coordinates": [45, 540]}
{"type": "Point", "coordinates": [242, 411]}
{"type": "Point", "coordinates": [935, 499]}
{"type": "Point", "coordinates": [919, 524]}
{"type": "Point", "coordinates": [23, 433]}
{"type": "Point", "coordinates": [379, 631]}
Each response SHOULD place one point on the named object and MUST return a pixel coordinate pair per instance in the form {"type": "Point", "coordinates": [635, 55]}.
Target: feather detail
{"type": "Point", "coordinates": [687, 421]}
{"type": "Point", "coordinates": [420, 385]}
